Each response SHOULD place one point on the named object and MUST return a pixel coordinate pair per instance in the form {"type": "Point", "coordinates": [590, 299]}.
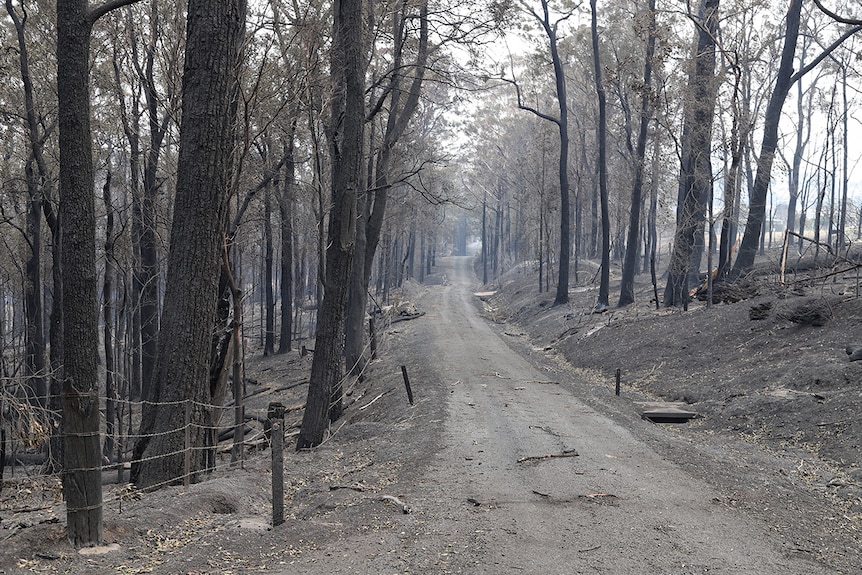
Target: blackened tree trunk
{"type": "Point", "coordinates": [602, 136]}
{"type": "Point", "coordinates": [729, 219]}
{"type": "Point", "coordinates": [627, 291]}
{"type": "Point", "coordinates": [285, 207]}
{"type": "Point", "coordinates": [215, 33]}
{"type": "Point", "coordinates": [695, 179]}
{"type": "Point", "coordinates": [147, 275]}
{"type": "Point", "coordinates": [484, 239]}
{"type": "Point", "coordinates": [108, 320]}
{"type": "Point", "coordinates": [562, 122]}
{"type": "Point", "coordinates": [37, 192]}
{"type": "Point", "coordinates": [269, 292]}
{"type": "Point", "coordinates": [785, 79]}
{"type": "Point", "coordinates": [82, 481]}
{"type": "Point", "coordinates": [345, 149]}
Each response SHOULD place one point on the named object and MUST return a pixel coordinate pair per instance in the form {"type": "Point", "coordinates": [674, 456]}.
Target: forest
{"type": "Point", "coordinates": [184, 187]}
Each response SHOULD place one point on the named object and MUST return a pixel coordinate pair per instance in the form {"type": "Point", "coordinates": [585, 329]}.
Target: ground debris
{"type": "Point", "coordinates": [355, 487]}
{"type": "Point", "coordinates": [564, 453]}
{"type": "Point", "coordinates": [391, 498]}
{"type": "Point", "coordinates": [814, 312]}
{"type": "Point", "coordinates": [760, 311]}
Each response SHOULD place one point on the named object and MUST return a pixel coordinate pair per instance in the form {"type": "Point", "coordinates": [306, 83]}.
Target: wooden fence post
{"type": "Point", "coordinates": [275, 416]}
{"type": "Point", "coordinates": [372, 334]}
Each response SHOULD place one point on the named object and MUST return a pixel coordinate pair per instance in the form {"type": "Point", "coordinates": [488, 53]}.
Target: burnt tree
{"type": "Point", "coordinates": [346, 137]}
{"type": "Point", "coordinates": [82, 478]}
{"type": "Point", "coordinates": [215, 33]}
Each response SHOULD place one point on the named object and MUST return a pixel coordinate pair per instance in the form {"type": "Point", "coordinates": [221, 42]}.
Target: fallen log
{"type": "Point", "coordinates": [406, 317]}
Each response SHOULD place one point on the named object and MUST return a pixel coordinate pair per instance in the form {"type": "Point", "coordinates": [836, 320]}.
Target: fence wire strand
{"type": "Point", "coordinates": [349, 382]}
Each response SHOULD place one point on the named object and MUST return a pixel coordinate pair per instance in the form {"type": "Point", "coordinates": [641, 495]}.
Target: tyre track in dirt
{"type": "Point", "coordinates": [618, 507]}
{"type": "Point", "coordinates": [484, 497]}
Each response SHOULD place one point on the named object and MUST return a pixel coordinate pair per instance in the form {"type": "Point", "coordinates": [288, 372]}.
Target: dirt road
{"type": "Point", "coordinates": [504, 492]}
{"type": "Point", "coordinates": [510, 461]}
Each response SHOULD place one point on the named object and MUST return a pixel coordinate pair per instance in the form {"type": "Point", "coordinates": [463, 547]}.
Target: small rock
{"type": "Point", "coordinates": [855, 352]}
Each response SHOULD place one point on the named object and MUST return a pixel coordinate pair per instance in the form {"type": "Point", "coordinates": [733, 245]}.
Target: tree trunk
{"type": "Point", "coordinates": [627, 292]}
{"type": "Point", "coordinates": [484, 239]}
{"type": "Point", "coordinates": [149, 274]}
{"type": "Point", "coordinates": [845, 180]}
{"type": "Point", "coordinates": [34, 335]}
{"type": "Point", "coordinates": [346, 145]}
{"type": "Point", "coordinates": [108, 321]}
{"type": "Point", "coordinates": [82, 482]}
{"type": "Point", "coordinates": [651, 243]}
{"type": "Point", "coordinates": [215, 32]}
{"type": "Point", "coordinates": [269, 293]}
{"type": "Point", "coordinates": [695, 180]}
{"type": "Point", "coordinates": [562, 294]}
{"type": "Point", "coordinates": [285, 207]}
{"type": "Point", "coordinates": [729, 221]}
{"type": "Point", "coordinates": [803, 134]}
{"type": "Point", "coordinates": [602, 133]}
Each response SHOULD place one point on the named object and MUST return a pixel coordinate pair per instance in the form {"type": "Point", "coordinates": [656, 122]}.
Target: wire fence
{"type": "Point", "coordinates": [35, 430]}
{"type": "Point", "coordinates": [122, 438]}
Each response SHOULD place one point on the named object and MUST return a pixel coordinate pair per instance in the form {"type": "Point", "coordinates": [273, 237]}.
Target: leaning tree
{"type": "Point", "coordinates": [214, 38]}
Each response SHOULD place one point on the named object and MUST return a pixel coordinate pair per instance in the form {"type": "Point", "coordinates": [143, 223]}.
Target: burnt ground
{"type": "Point", "coordinates": [767, 375]}
{"type": "Point", "coordinates": [784, 384]}
{"type": "Point", "coordinates": [777, 439]}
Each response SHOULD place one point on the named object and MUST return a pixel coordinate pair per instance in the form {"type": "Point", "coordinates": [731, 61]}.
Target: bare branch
{"type": "Point", "coordinates": [109, 6]}
{"type": "Point", "coordinates": [522, 106]}
{"type": "Point", "coordinates": [837, 17]}
{"type": "Point", "coordinates": [826, 52]}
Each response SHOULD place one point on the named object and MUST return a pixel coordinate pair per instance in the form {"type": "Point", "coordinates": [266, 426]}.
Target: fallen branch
{"type": "Point", "coordinates": [376, 398]}
{"type": "Point", "coordinates": [29, 509]}
{"type": "Point", "coordinates": [356, 487]}
{"type": "Point", "coordinates": [404, 507]}
{"type": "Point", "coordinates": [290, 386]}
{"type": "Point", "coordinates": [252, 394]}
{"type": "Point", "coordinates": [14, 531]}
{"type": "Point", "coordinates": [564, 453]}
{"type": "Point", "coordinates": [406, 317]}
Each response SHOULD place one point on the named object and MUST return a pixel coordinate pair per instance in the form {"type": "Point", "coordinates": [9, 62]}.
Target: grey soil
{"type": "Point", "coordinates": [511, 461]}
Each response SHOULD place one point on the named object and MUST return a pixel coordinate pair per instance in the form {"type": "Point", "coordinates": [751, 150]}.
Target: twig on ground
{"type": "Point", "coordinates": [356, 487]}
{"type": "Point", "coordinates": [376, 398]}
{"type": "Point", "coordinates": [404, 507]}
{"type": "Point", "coordinates": [564, 453]}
